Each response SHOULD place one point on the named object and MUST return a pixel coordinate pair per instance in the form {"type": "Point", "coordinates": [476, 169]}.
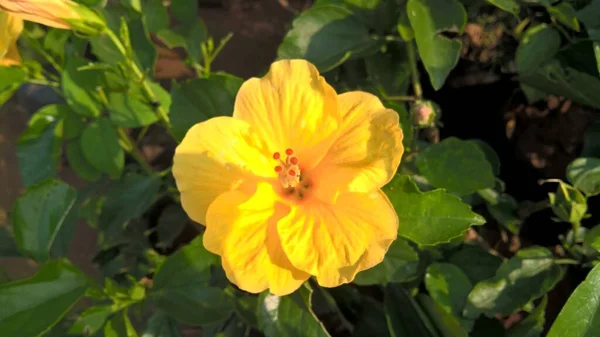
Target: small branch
{"type": "Point", "coordinates": [130, 148]}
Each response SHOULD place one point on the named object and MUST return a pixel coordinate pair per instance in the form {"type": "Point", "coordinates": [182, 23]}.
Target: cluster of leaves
{"type": "Point", "coordinates": [431, 283]}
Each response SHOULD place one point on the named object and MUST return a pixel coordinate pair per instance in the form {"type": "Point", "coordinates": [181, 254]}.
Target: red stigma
{"type": "Point", "coordinates": [289, 152]}
{"type": "Point", "coordinates": [292, 173]}
{"type": "Point", "coordinates": [278, 168]}
{"type": "Point", "coordinates": [294, 160]}
{"type": "Point", "coordinates": [276, 155]}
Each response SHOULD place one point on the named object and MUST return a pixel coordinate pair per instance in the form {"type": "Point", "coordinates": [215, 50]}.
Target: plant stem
{"type": "Point", "coordinates": [414, 71]}
{"type": "Point", "coordinates": [131, 149]}
{"type": "Point", "coordinates": [566, 261]}
{"type": "Point", "coordinates": [162, 114]}
{"type": "Point", "coordinates": [401, 98]}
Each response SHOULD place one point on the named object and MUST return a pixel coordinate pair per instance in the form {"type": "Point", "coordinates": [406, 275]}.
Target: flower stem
{"type": "Point", "coordinates": [161, 112]}
{"type": "Point", "coordinates": [414, 71]}
{"type": "Point", "coordinates": [130, 148]}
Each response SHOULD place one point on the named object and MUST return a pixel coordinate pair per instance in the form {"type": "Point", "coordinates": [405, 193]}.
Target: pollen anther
{"type": "Point", "coordinates": [288, 171]}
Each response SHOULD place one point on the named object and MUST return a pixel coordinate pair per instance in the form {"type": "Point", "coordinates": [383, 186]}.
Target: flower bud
{"type": "Point", "coordinates": [424, 114]}
{"type": "Point", "coordinates": [62, 14]}
{"type": "Point", "coordinates": [568, 204]}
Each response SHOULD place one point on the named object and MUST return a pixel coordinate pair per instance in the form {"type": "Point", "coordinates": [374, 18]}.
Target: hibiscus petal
{"type": "Point", "coordinates": [214, 157]}
{"type": "Point", "coordinates": [320, 238]}
{"type": "Point", "coordinates": [291, 107]}
{"type": "Point", "coordinates": [367, 152]}
{"type": "Point", "coordinates": [12, 57]}
{"type": "Point", "coordinates": [11, 26]}
{"type": "Point", "coordinates": [242, 229]}
{"type": "Point", "coordinates": [50, 13]}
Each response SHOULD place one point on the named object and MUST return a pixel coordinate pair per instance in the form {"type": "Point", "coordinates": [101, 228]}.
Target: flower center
{"type": "Point", "coordinates": [288, 171]}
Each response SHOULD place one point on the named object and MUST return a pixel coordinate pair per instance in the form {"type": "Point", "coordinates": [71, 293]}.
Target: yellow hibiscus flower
{"type": "Point", "coordinates": [12, 27]}
{"type": "Point", "coordinates": [62, 14]}
{"type": "Point", "coordinates": [290, 186]}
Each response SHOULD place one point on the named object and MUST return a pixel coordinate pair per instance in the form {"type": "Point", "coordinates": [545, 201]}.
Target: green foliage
{"type": "Point", "coordinates": [50, 293]}
{"type": "Point", "coordinates": [441, 277]}
{"type": "Point", "coordinates": [525, 277]}
{"type": "Point", "coordinates": [425, 217]}
{"type": "Point", "coordinates": [429, 19]}
{"type": "Point", "coordinates": [44, 220]}
{"type": "Point", "coordinates": [579, 316]}
{"type": "Point", "coordinates": [289, 316]}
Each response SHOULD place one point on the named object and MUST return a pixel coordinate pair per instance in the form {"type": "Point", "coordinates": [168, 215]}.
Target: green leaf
{"type": "Point", "coordinates": [533, 325]}
{"type": "Point", "coordinates": [511, 6]}
{"type": "Point", "coordinates": [91, 320]}
{"type": "Point", "coordinates": [119, 326]}
{"type": "Point", "coordinates": [448, 286]}
{"type": "Point", "coordinates": [246, 307]}
{"type": "Point", "coordinates": [476, 262]}
{"type": "Point", "coordinates": [289, 316]}
{"type": "Point", "coordinates": [127, 199]}
{"type": "Point", "coordinates": [38, 156]}
{"type": "Point", "coordinates": [456, 165]}
{"type": "Point", "coordinates": [100, 145]}
{"type": "Point", "coordinates": [181, 287]}
{"type": "Point", "coordinates": [156, 16]}
{"type": "Point", "coordinates": [588, 15]}
{"type": "Point", "coordinates": [79, 164]}
{"type": "Point", "coordinates": [80, 88]}
{"type": "Point", "coordinates": [565, 14]}
{"type": "Point", "coordinates": [129, 110]}
{"type": "Point", "coordinates": [389, 72]}
{"type": "Point", "coordinates": [447, 324]}
{"type": "Point", "coordinates": [106, 50]}
{"type": "Point", "coordinates": [528, 275]}
{"type": "Point", "coordinates": [404, 29]}
{"type": "Point", "coordinates": [171, 222]}
{"type": "Point", "coordinates": [538, 45]}
{"type": "Point", "coordinates": [201, 99]}
{"type": "Point", "coordinates": [592, 238]}
{"type": "Point", "coordinates": [371, 320]}
{"type": "Point", "coordinates": [503, 208]}
{"type": "Point", "coordinates": [171, 38]}
{"type": "Point", "coordinates": [404, 316]}
{"type": "Point", "coordinates": [568, 204]}
{"type": "Point", "coordinates": [563, 80]}
{"type": "Point", "coordinates": [429, 218]}
{"type": "Point", "coordinates": [400, 264]}
{"type": "Point", "coordinates": [161, 325]}
{"type": "Point", "coordinates": [326, 36]}
{"type": "Point", "coordinates": [11, 79]}
{"type": "Point", "coordinates": [580, 316]}
{"type": "Point", "coordinates": [32, 306]}
{"type": "Point", "coordinates": [163, 97]}
{"type": "Point", "coordinates": [185, 12]}
{"type": "Point", "coordinates": [144, 49]}
{"type": "Point", "coordinates": [584, 174]}
{"type": "Point", "coordinates": [44, 220]}
{"type": "Point", "coordinates": [195, 36]}
{"type": "Point", "coordinates": [430, 18]}
{"type": "Point", "coordinates": [72, 123]}
{"type": "Point", "coordinates": [490, 154]}
{"type": "Point", "coordinates": [380, 15]}
{"type": "Point", "coordinates": [8, 247]}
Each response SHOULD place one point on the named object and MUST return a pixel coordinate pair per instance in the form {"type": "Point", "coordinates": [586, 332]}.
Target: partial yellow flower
{"type": "Point", "coordinates": [290, 186]}
{"type": "Point", "coordinates": [63, 14]}
{"type": "Point", "coordinates": [12, 26]}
